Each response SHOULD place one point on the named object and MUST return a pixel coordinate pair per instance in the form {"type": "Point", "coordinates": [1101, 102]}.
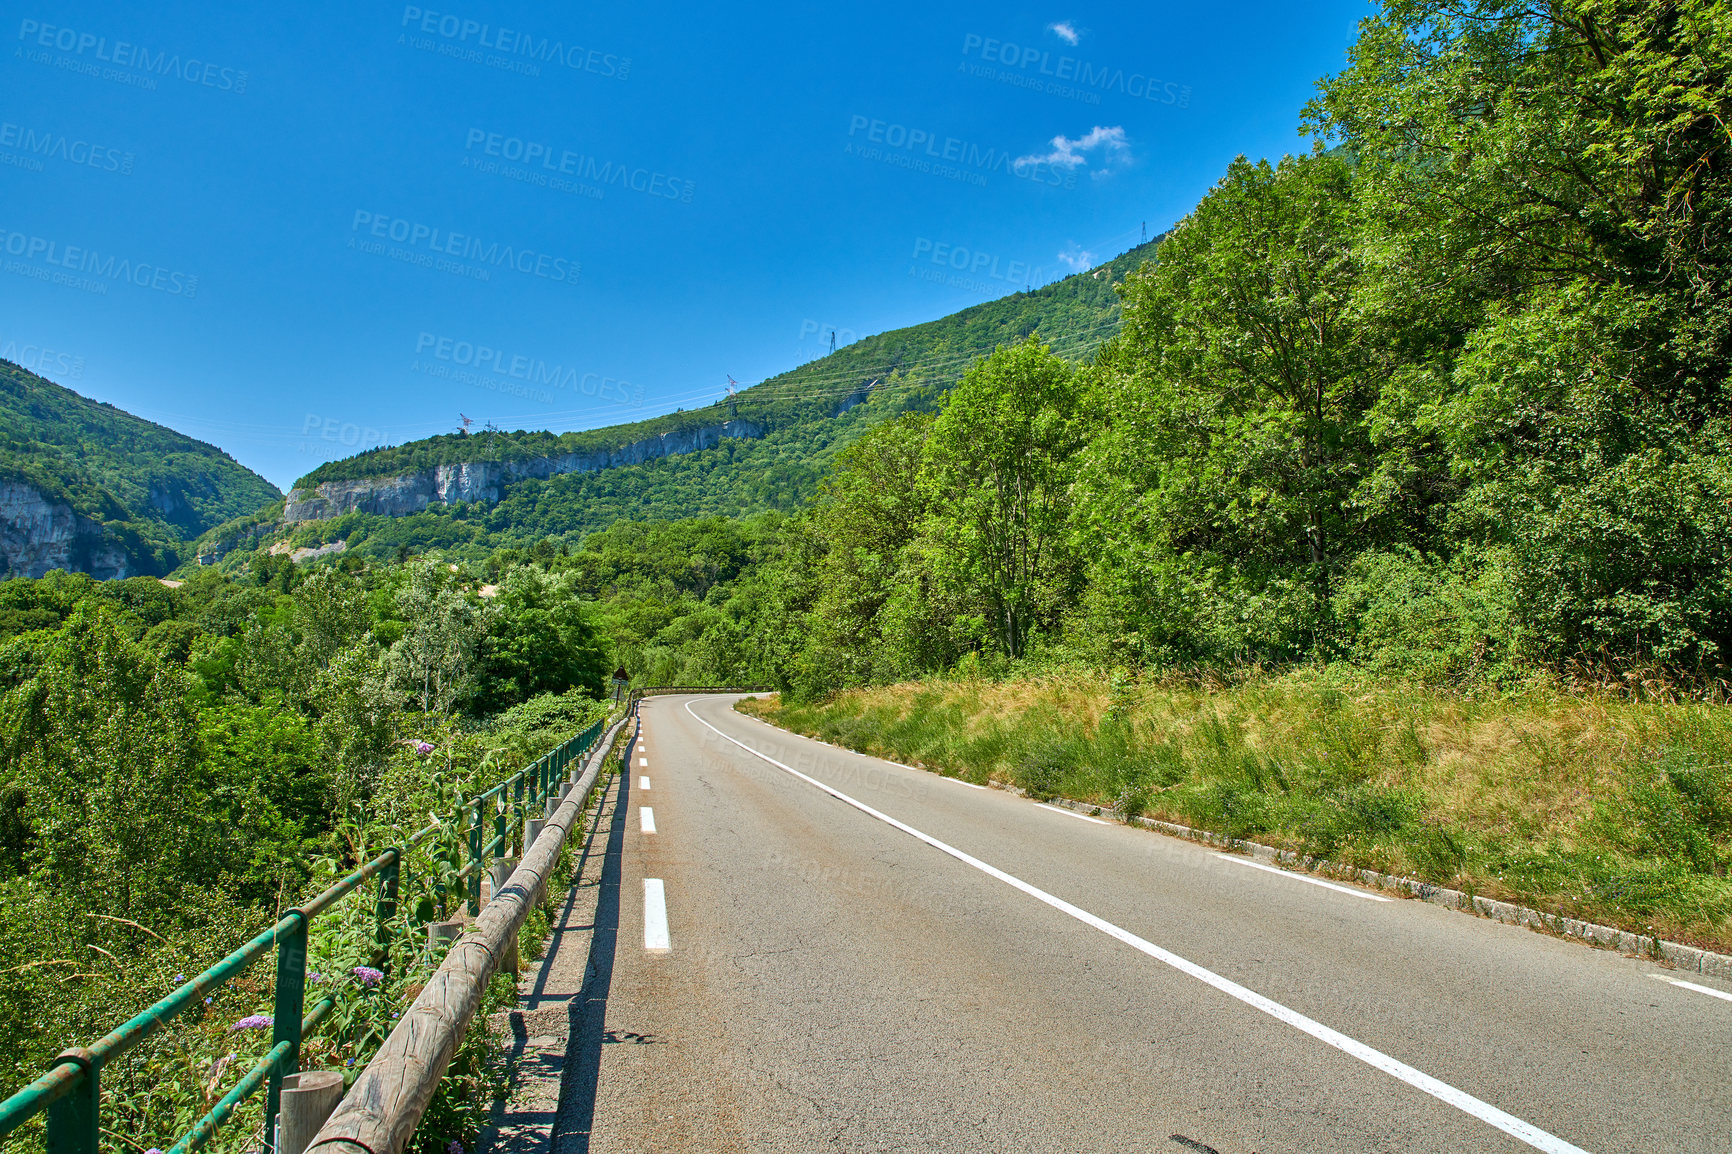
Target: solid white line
{"type": "Point", "coordinates": [655, 916]}
{"type": "Point", "coordinates": [1418, 1079]}
{"type": "Point", "coordinates": [1070, 813]}
{"type": "Point", "coordinates": [1709, 990]}
{"type": "Point", "coordinates": [646, 819]}
{"type": "Point", "coordinates": [643, 783]}
{"type": "Point", "coordinates": [1257, 865]}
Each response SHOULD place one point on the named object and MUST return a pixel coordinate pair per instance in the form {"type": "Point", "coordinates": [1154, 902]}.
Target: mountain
{"type": "Point", "coordinates": [767, 448]}
{"type": "Point", "coordinates": [88, 487]}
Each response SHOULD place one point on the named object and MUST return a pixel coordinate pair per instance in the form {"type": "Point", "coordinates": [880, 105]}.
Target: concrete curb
{"type": "Point", "coordinates": [1606, 937]}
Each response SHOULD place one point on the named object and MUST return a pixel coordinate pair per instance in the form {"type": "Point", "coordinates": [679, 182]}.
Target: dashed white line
{"type": "Point", "coordinates": [1709, 990]}
{"type": "Point", "coordinates": [643, 782]}
{"type": "Point", "coordinates": [1515, 1127]}
{"type": "Point", "coordinates": [646, 819]}
{"type": "Point", "coordinates": [1070, 813]}
{"type": "Point", "coordinates": [655, 916]}
{"type": "Point", "coordinates": [959, 781]}
{"type": "Point", "coordinates": [1257, 865]}
{"type": "Point", "coordinates": [643, 762]}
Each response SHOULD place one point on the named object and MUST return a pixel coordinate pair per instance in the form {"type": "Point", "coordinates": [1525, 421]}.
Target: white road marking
{"type": "Point", "coordinates": [1515, 1127]}
{"type": "Point", "coordinates": [1070, 813]}
{"type": "Point", "coordinates": [643, 783]}
{"type": "Point", "coordinates": [643, 762]}
{"type": "Point", "coordinates": [646, 819]}
{"type": "Point", "coordinates": [1709, 990]}
{"type": "Point", "coordinates": [1299, 877]}
{"type": "Point", "coordinates": [655, 916]}
{"type": "Point", "coordinates": [959, 781]}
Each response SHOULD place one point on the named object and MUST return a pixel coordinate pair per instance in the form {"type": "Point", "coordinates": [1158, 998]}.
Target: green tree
{"type": "Point", "coordinates": [997, 467]}
{"type": "Point", "coordinates": [1234, 469]}
{"type": "Point", "coordinates": [538, 639]}
{"type": "Point", "coordinates": [434, 658]}
{"type": "Point", "coordinates": [106, 749]}
{"type": "Point", "coordinates": [865, 520]}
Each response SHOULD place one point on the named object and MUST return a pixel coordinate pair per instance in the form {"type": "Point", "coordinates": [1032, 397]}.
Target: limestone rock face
{"type": "Point", "coordinates": [486, 481]}
{"type": "Point", "coordinates": [38, 534]}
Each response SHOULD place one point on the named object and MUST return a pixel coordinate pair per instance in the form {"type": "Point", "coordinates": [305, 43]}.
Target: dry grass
{"type": "Point", "coordinates": [1575, 802]}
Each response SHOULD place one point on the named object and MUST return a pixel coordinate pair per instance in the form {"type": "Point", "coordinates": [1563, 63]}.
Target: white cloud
{"type": "Point", "coordinates": [1076, 257]}
{"type": "Point", "coordinates": [1065, 31]}
{"type": "Point", "coordinates": [1070, 154]}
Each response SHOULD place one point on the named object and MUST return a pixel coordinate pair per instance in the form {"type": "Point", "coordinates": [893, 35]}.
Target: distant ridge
{"type": "Point", "coordinates": [535, 484]}
{"type": "Point", "coordinates": [87, 487]}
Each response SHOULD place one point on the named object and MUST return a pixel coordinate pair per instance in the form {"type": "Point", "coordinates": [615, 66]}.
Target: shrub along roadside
{"type": "Point", "coordinates": [1610, 810]}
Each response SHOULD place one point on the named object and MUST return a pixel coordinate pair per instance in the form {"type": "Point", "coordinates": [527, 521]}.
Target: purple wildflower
{"type": "Point", "coordinates": [423, 747]}
{"type": "Point", "coordinates": [153, 1150]}
{"type": "Point", "coordinates": [368, 976]}
{"type": "Point", "coordinates": [315, 975]}
{"type": "Point", "coordinates": [179, 978]}
{"type": "Point", "coordinates": [253, 1022]}
{"type": "Point", "coordinates": [207, 1001]}
{"type": "Point", "coordinates": [456, 1147]}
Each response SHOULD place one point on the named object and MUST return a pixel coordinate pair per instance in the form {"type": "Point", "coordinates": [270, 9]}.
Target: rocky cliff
{"type": "Point", "coordinates": [38, 534]}
{"type": "Point", "coordinates": [486, 480]}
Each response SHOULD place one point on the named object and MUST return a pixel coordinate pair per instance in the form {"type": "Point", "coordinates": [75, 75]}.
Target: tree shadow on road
{"type": "Point", "coordinates": [588, 1032]}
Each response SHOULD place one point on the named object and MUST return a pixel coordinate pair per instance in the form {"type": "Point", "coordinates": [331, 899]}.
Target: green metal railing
{"type": "Point", "coordinates": [71, 1090]}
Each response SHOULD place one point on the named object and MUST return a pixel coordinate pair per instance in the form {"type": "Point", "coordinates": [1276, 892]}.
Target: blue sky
{"type": "Point", "coordinates": [296, 230]}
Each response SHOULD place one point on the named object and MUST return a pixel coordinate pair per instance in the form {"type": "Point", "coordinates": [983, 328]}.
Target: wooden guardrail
{"type": "Point", "coordinates": [381, 1110]}
{"type": "Point", "coordinates": [70, 1093]}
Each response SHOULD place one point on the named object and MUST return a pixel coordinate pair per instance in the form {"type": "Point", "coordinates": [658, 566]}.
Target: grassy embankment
{"type": "Point", "coordinates": [1590, 806]}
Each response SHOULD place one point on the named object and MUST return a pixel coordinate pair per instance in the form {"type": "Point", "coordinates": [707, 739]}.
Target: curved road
{"type": "Point", "coordinates": [863, 956]}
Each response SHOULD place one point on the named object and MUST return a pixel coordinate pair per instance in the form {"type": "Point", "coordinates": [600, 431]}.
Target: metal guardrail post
{"type": "Point", "coordinates": [475, 866]}
{"type": "Point", "coordinates": [385, 910]}
{"type": "Point", "coordinates": [517, 803]}
{"type": "Point", "coordinates": [286, 1017]}
{"type": "Point", "coordinates": [72, 1124]}
{"type": "Point", "coordinates": [500, 836]}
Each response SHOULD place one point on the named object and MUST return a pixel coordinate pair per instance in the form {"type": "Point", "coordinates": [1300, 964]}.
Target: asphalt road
{"type": "Point", "coordinates": [863, 956]}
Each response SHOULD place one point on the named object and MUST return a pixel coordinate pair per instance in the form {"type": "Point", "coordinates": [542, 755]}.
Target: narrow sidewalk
{"type": "Point", "coordinates": [550, 992]}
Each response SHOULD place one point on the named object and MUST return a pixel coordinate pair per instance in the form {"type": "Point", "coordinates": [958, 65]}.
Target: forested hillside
{"type": "Point", "coordinates": [151, 488]}
{"type": "Point", "coordinates": [907, 369]}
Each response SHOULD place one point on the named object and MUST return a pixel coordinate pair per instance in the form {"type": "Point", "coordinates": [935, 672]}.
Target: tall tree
{"type": "Point", "coordinates": [1235, 448]}
{"type": "Point", "coordinates": [997, 466]}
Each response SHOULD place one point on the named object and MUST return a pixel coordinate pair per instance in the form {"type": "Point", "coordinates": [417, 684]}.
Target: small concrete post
{"type": "Point", "coordinates": [443, 932]}
{"type": "Point", "coordinates": [308, 1100]}
{"type": "Point", "coordinates": [531, 831]}
{"type": "Point", "coordinates": [499, 875]}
